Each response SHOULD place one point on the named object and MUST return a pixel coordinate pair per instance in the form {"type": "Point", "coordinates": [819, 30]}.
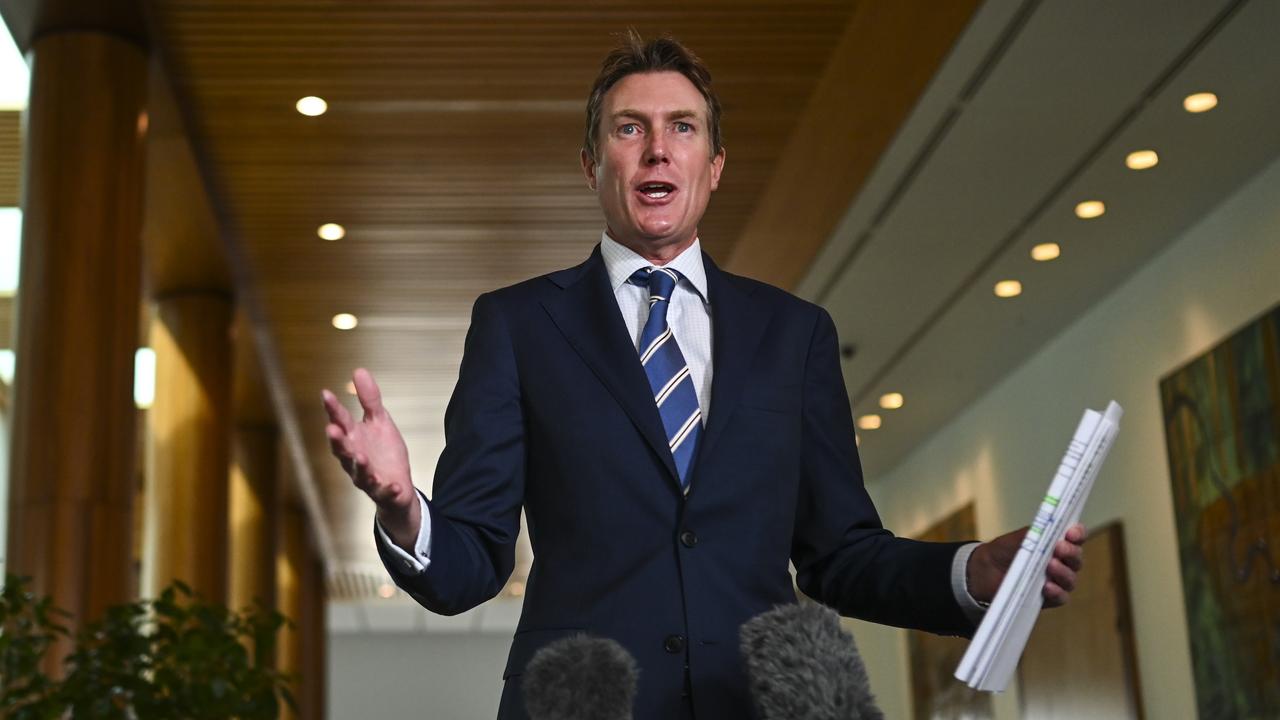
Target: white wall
{"type": "Point", "coordinates": [1001, 452]}
{"type": "Point", "coordinates": [437, 676]}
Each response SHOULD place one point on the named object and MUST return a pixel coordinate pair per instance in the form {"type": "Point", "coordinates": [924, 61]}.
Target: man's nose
{"type": "Point", "coordinates": [655, 151]}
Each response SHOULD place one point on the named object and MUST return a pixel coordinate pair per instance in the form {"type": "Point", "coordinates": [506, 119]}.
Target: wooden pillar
{"type": "Point", "coordinates": [255, 479]}
{"type": "Point", "coordinates": [314, 638]}
{"type": "Point", "coordinates": [189, 424]}
{"type": "Point", "coordinates": [73, 452]}
{"type": "Point", "coordinates": [188, 447]}
{"type": "Point", "coordinates": [289, 599]}
{"type": "Point", "coordinates": [253, 516]}
{"type": "Point", "coordinates": [301, 582]}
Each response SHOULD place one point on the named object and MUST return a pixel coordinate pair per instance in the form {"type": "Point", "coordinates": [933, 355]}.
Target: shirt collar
{"type": "Point", "coordinates": [622, 262]}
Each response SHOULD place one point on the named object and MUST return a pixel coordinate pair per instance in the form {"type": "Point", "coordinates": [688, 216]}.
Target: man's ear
{"type": "Point", "coordinates": [589, 169]}
{"type": "Point", "coordinates": [717, 166]}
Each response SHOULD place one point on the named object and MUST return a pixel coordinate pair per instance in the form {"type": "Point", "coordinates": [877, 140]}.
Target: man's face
{"type": "Point", "coordinates": [654, 171]}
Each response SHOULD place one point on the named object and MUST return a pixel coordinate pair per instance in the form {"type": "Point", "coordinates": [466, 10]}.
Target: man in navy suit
{"type": "Point", "coordinates": [675, 434]}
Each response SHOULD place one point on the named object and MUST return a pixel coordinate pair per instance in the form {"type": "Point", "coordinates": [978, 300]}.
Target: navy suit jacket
{"type": "Point", "coordinates": [553, 411]}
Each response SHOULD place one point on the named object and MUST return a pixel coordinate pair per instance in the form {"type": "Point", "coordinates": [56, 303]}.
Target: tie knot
{"type": "Point", "coordinates": [660, 281]}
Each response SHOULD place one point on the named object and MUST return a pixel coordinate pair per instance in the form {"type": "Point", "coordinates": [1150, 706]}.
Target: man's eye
{"type": "Point", "coordinates": [628, 129]}
{"type": "Point", "coordinates": [683, 127]}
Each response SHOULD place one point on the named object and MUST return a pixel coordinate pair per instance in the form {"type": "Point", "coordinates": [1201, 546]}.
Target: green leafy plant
{"type": "Point", "coordinates": [176, 657]}
{"type": "Point", "coordinates": [28, 628]}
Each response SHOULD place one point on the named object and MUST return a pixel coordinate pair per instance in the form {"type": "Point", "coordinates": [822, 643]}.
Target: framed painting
{"type": "Point", "coordinates": [1222, 434]}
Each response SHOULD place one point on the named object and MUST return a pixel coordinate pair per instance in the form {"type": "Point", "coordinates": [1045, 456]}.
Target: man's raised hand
{"type": "Point", "coordinates": [373, 453]}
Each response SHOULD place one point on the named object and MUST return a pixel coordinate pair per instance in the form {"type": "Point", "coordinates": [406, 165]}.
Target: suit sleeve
{"type": "Point", "coordinates": [843, 555]}
{"type": "Point", "coordinates": [479, 479]}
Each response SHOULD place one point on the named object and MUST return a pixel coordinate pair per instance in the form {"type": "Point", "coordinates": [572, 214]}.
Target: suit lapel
{"type": "Point", "coordinates": [738, 321]}
{"type": "Point", "coordinates": [587, 314]}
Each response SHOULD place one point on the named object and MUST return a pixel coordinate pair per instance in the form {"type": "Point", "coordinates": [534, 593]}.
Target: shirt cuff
{"type": "Point", "coordinates": [973, 609]}
{"type": "Point", "coordinates": [417, 563]}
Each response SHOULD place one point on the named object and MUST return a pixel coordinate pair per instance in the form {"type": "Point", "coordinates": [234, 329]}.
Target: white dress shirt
{"type": "Point", "coordinates": [689, 316]}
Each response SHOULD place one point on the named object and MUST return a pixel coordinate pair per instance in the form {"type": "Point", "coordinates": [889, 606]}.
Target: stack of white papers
{"type": "Point", "coordinates": [997, 646]}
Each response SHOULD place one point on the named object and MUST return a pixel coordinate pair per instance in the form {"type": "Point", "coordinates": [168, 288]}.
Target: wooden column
{"type": "Point", "coordinates": [301, 582]}
{"type": "Point", "coordinates": [189, 425]}
{"type": "Point", "coordinates": [314, 638]}
{"type": "Point", "coordinates": [255, 479]}
{"type": "Point", "coordinates": [289, 598]}
{"type": "Point", "coordinates": [73, 452]}
{"type": "Point", "coordinates": [188, 447]}
{"type": "Point", "coordinates": [253, 516]}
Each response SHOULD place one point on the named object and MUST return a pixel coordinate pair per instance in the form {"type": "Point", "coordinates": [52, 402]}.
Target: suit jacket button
{"type": "Point", "coordinates": [688, 538]}
{"type": "Point", "coordinates": [673, 644]}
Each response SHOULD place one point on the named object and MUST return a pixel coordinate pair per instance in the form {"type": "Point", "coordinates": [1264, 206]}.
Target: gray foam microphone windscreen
{"type": "Point", "coordinates": [580, 678]}
{"type": "Point", "coordinates": [802, 666]}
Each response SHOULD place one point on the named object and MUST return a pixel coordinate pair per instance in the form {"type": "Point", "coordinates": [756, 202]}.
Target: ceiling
{"type": "Point", "coordinates": [1035, 111]}
{"type": "Point", "coordinates": [449, 153]}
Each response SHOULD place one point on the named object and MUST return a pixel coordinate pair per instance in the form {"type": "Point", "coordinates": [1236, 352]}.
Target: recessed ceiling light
{"type": "Point", "coordinates": [891, 401]}
{"type": "Point", "coordinates": [1141, 159]}
{"type": "Point", "coordinates": [869, 422]}
{"type": "Point", "coordinates": [386, 591]}
{"type": "Point", "coordinates": [351, 387]}
{"type": "Point", "coordinates": [331, 231]}
{"type": "Point", "coordinates": [311, 106]}
{"type": "Point", "coordinates": [345, 321]}
{"type": "Point", "coordinates": [1008, 288]}
{"type": "Point", "coordinates": [1090, 209]}
{"type": "Point", "coordinates": [1200, 102]}
{"type": "Point", "coordinates": [1045, 251]}
{"type": "Point", "coordinates": [517, 589]}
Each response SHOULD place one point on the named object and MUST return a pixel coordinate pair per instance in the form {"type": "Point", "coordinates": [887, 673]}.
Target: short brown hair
{"type": "Point", "coordinates": [665, 54]}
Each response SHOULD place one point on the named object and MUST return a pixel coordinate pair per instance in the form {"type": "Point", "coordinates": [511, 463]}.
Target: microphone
{"type": "Point", "coordinates": [580, 678]}
{"type": "Point", "coordinates": [802, 666]}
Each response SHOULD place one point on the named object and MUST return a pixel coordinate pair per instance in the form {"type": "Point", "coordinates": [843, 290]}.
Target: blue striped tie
{"type": "Point", "coordinates": [668, 373]}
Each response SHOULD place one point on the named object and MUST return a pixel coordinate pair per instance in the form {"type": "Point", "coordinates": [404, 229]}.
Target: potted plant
{"type": "Point", "coordinates": [177, 657]}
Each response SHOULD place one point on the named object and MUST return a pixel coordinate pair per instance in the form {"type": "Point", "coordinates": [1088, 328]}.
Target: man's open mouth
{"type": "Point", "coordinates": [656, 190]}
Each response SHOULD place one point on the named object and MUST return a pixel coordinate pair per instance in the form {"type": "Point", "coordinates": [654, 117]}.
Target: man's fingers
{"type": "Point", "coordinates": [360, 473]}
{"type": "Point", "coordinates": [337, 441]}
{"type": "Point", "coordinates": [1076, 534]}
{"type": "Point", "coordinates": [1070, 550]}
{"type": "Point", "coordinates": [1055, 596]}
{"type": "Point", "coordinates": [1061, 575]}
{"type": "Point", "coordinates": [368, 393]}
{"type": "Point", "coordinates": [338, 414]}
{"type": "Point", "coordinates": [1070, 555]}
